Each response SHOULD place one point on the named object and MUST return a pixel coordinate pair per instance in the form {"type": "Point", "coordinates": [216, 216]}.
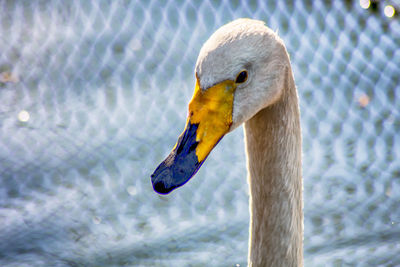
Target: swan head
{"type": "Point", "coordinates": [239, 71]}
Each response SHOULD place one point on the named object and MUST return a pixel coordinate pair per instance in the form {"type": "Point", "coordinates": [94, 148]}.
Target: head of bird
{"type": "Point", "coordinates": [239, 71]}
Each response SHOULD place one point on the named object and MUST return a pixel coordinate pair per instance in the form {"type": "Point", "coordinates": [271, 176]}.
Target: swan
{"type": "Point", "coordinates": [243, 75]}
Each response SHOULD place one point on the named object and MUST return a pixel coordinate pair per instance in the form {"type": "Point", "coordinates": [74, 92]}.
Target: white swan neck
{"type": "Point", "coordinates": [273, 146]}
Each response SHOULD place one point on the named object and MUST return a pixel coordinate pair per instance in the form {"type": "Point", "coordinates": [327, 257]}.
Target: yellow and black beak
{"type": "Point", "coordinates": [209, 119]}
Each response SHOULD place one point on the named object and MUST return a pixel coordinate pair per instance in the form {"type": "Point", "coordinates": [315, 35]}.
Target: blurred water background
{"type": "Point", "coordinates": [94, 95]}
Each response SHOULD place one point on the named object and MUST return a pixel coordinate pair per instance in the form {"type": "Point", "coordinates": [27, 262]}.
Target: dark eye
{"type": "Point", "coordinates": [242, 77]}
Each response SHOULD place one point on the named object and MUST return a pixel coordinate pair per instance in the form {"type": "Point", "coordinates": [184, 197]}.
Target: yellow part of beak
{"type": "Point", "coordinates": [212, 110]}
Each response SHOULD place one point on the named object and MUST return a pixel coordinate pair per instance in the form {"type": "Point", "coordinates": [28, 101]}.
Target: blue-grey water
{"type": "Point", "coordinates": [93, 95]}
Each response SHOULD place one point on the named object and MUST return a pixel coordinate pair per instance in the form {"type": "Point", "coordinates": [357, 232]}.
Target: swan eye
{"type": "Point", "coordinates": [242, 77]}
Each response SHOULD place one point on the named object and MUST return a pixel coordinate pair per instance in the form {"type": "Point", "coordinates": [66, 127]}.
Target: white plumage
{"type": "Point", "coordinates": [267, 103]}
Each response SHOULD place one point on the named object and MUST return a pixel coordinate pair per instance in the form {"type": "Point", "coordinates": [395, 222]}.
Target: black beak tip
{"type": "Point", "coordinates": [160, 187]}
{"type": "Point", "coordinates": [180, 165]}
{"type": "Point", "coordinates": [161, 179]}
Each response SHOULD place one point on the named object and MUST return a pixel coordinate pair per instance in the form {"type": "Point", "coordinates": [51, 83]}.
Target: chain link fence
{"type": "Point", "coordinates": [94, 95]}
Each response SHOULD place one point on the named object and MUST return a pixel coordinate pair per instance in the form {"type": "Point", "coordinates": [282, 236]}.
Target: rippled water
{"type": "Point", "coordinates": [94, 95]}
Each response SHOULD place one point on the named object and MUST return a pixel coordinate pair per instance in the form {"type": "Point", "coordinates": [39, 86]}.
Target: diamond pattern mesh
{"type": "Point", "coordinates": [94, 95]}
